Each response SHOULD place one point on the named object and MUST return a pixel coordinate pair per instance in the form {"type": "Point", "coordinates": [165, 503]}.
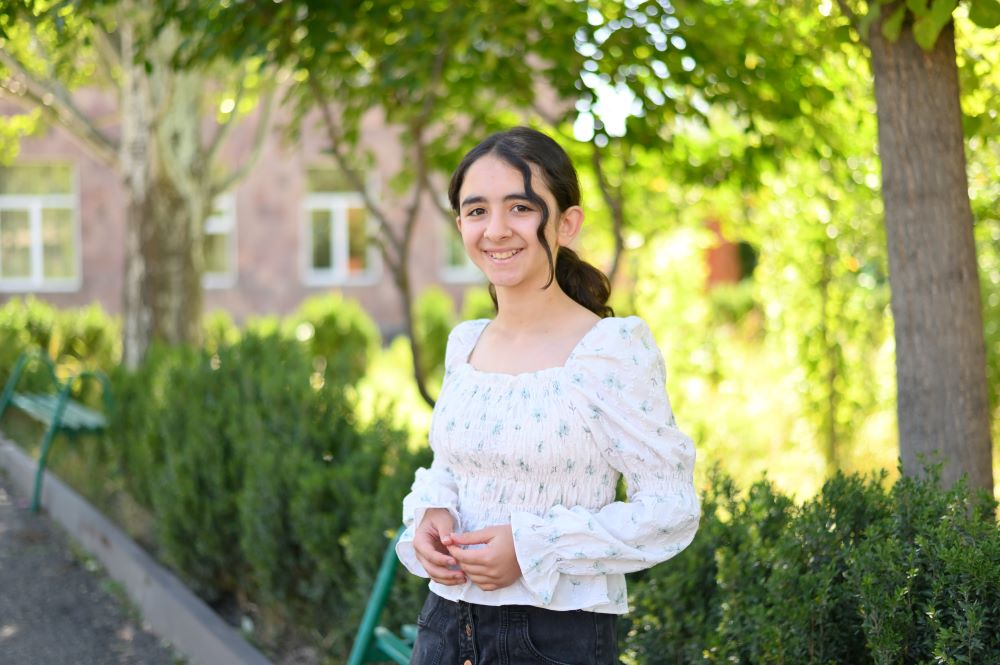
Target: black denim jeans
{"type": "Point", "coordinates": [460, 633]}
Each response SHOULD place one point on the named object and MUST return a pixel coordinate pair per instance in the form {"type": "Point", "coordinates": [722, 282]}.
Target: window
{"type": "Point", "coordinates": [337, 248]}
{"type": "Point", "coordinates": [458, 267]}
{"type": "Point", "coordinates": [39, 232]}
{"type": "Point", "coordinates": [220, 244]}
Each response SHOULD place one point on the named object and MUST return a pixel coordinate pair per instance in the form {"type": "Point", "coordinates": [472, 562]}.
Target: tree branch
{"type": "Point", "coordinates": [260, 136]}
{"type": "Point", "coordinates": [108, 54]}
{"type": "Point", "coordinates": [417, 129]}
{"type": "Point", "coordinates": [57, 104]}
{"type": "Point", "coordinates": [227, 127]}
{"type": "Point", "coordinates": [336, 149]}
{"type": "Point", "coordinates": [615, 203]}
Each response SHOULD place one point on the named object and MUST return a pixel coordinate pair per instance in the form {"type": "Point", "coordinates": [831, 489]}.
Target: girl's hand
{"type": "Point", "coordinates": [492, 567]}
{"type": "Point", "coordinates": [431, 551]}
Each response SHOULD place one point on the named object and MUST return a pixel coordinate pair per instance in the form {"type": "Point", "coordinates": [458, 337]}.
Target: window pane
{"type": "Point", "coordinates": [36, 179]}
{"type": "Point", "coordinates": [58, 244]}
{"type": "Point", "coordinates": [327, 180]}
{"type": "Point", "coordinates": [15, 244]}
{"type": "Point", "coordinates": [321, 228]}
{"type": "Point", "coordinates": [217, 253]}
{"type": "Point", "coordinates": [357, 240]}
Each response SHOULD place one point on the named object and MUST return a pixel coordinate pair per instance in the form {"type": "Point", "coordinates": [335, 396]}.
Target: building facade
{"type": "Point", "coordinates": [291, 229]}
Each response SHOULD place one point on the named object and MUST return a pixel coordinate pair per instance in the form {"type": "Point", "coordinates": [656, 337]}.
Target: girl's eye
{"type": "Point", "coordinates": [475, 212]}
{"type": "Point", "coordinates": [520, 207]}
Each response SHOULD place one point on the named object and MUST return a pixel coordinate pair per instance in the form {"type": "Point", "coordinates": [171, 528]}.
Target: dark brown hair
{"type": "Point", "coordinates": [520, 147]}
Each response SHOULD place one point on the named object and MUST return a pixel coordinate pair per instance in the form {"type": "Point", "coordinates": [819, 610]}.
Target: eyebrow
{"type": "Point", "coordinates": [519, 196]}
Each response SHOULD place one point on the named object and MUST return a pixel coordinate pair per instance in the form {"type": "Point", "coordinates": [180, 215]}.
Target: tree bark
{"type": "Point", "coordinates": [940, 351]}
{"type": "Point", "coordinates": [173, 280]}
{"type": "Point", "coordinates": [135, 157]}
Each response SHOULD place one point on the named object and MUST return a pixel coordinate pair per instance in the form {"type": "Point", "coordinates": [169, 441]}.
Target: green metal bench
{"type": "Point", "coordinates": [374, 643]}
{"type": "Point", "coordinates": [56, 410]}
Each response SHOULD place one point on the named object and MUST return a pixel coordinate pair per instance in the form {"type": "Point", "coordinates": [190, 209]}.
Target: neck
{"type": "Point", "coordinates": [531, 307]}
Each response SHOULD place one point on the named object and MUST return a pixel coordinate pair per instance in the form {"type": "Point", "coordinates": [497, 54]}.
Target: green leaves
{"type": "Point", "coordinates": [893, 26]}
{"type": "Point", "coordinates": [985, 13]}
{"type": "Point", "coordinates": [929, 19]}
{"type": "Point", "coordinates": [856, 574]}
{"type": "Point", "coordinates": [929, 23]}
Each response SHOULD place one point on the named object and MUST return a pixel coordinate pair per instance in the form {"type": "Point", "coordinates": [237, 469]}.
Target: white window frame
{"type": "Point", "coordinates": [37, 282]}
{"type": "Point", "coordinates": [224, 222]}
{"type": "Point", "coordinates": [337, 204]}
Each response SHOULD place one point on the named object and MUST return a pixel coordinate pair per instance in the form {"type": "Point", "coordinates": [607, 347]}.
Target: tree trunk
{"type": "Point", "coordinates": [173, 282]}
{"type": "Point", "coordinates": [135, 157]}
{"type": "Point", "coordinates": [167, 191]}
{"type": "Point", "coordinates": [940, 352]}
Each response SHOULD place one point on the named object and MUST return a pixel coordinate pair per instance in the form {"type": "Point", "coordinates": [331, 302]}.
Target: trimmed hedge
{"type": "Point", "coordinates": [267, 494]}
{"type": "Point", "coordinates": [857, 574]}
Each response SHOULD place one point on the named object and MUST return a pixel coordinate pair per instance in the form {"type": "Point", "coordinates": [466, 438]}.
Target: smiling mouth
{"type": "Point", "coordinates": [501, 256]}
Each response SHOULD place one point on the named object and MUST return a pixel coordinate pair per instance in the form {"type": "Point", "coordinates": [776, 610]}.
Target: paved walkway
{"type": "Point", "coordinates": [57, 607]}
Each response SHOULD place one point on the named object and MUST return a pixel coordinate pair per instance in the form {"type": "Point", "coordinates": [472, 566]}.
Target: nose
{"type": "Point", "coordinates": [497, 228]}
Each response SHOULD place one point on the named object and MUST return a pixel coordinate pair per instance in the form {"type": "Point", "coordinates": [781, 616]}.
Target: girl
{"type": "Point", "coordinates": [541, 410]}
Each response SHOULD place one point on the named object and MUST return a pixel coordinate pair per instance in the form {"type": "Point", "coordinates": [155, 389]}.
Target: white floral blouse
{"type": "Point", "coordinates": [543, 451]}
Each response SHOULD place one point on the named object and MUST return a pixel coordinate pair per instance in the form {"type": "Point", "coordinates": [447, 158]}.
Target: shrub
{"type": "Point", "coordinates": [478, 304]}
{"type": "Point", "coordinates": [264, 487]}
{"type": "Point", "coordinates": [76, 339]}
{"type": "Point", "coordinates": [339, 333]}
{"type": "Point", "coordinates": [219, 329]}
{"type": "Point", "coordinates": [434, 317]}
{"type": "Point", "coordinates": [857, 574]}
{"type": "Point", "coordinates": [928, 578]}
{"type": "Point", "coordinates": [206, 417]}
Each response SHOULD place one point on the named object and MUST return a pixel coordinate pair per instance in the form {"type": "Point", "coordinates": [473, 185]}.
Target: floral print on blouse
{"type": "Point", "coordinates": [543, 452]}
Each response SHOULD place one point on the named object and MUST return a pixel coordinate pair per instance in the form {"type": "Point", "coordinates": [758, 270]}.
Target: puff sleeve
{"type": "Point", "coordinates": [620, 384]}
{"type": "Point", "coordinates": [435, 487]}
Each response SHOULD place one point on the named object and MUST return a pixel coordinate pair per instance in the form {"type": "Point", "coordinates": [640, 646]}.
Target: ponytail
{"type": "Point", "coordinates": [581, 281]}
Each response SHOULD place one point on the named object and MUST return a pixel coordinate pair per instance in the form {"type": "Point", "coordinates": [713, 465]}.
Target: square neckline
{"type": "Point", "coordinates": [564, 365]}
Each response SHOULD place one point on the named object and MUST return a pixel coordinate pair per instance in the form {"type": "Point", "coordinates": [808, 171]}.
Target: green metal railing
{"type": "Point", "coordinates": [375, 643]}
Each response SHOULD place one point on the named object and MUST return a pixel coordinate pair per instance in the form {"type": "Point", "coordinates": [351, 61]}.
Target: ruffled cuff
{"type": "Point", "coordinates": [404, 546]}
{"type": "Point", "coordinates": [539, 564]}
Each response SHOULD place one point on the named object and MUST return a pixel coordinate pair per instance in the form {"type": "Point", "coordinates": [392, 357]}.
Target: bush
{"type": "Point", "coordinates": [433, 319]}
{"type": "Point", "coordinates": [340, 335]}
{"type": "Point", "coordinates": [219, 329]}
{"type": "Point", "coordinates": [263, 486]}
{"type": "Point", "coordinates": [478, 305]}
{"type": "Point", "coordinates": [857, 574]}
{"type": "Point", "coordinates": [84, 338]}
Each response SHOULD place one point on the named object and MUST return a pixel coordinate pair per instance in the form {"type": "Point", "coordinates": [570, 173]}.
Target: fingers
{"type": "Point", "coordinates": [445, 576]}
{"type": "Point", "coordinates": [479, 537]}
{"type": "Point", "coordinates": [440, 570]}
{"type": "Point", "coordinates": [466, 558]}
{"type": "Point", "coordinates": [435, 559]}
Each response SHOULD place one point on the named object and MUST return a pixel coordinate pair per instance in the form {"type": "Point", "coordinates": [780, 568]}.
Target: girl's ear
{"type": "Point", "coordinates": [458, 222]}
{"type": "Point", "coordinates": [569, 225]}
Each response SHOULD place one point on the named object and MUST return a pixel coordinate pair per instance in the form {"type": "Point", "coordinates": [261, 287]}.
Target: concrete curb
{"type": "Point", "coordinates": [171, 610]}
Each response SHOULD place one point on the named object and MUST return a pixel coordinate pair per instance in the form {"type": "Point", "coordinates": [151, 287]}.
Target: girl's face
{"type": "Point", "coordinates": [499, 224]}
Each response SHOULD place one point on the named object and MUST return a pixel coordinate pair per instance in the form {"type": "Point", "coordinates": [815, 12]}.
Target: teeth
{"type": "Point", "coordinates": [503, 255]}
